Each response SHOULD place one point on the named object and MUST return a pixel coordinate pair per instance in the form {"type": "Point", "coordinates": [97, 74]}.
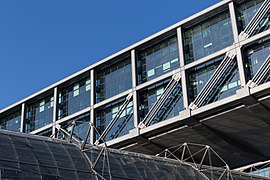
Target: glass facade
{"type": "Point", "coordinates": [149, 96]}
{"type": "Point", "coordinates": [113, 79]}
{"type": "Point", "coordinates": [74, 98]}
{"type": "Point", "coordinates": [11, 122]}
{"type": "Point", "coordinates": [122, 126]}
{"type": "Point", "coordinates": [246, 12]}
{"type": "Point", "coordinates": [198, 77]}
{"type": "Point", "coordinates": [46, 133]}
{"type": "Point", "coordinates": [254, 58]}
{"type": "Point", "coordinates": [39, 114]}
{"type": "Point", "coordinates": [81, 126]}
{"type": "Point", "coordinates": [158, 59]}
{"type": "Point", "coordinates": [208, 37]}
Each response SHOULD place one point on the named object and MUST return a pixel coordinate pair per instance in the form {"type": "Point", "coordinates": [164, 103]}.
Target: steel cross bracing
{"type": "Point", "coordinates": [252, 27]}
{"type": "Point", "coordinates": [114, 120]}
{"type": "Point", "coordinates": [225, 67]}
{"type": "Point", "coordinates": [261, 75]}
{"type": "Point", "coordinates": [164, 100]}
{"type": "Point", "coordinates": [121, 127]}
{"type": "Point", "coordinates": [216, 80]}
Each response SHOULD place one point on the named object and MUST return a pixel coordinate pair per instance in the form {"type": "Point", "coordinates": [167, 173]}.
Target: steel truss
{"type": "Point", "coordinates": [68, 136]}
{"type": "Point", "coordinates": [225, 67]}
{"type": "Point", "coordinates": [202, 158]}
{"type": "Point", "coordinates": [104, 157]}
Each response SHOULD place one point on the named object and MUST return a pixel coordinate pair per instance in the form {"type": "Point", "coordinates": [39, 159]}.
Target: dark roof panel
{"type": "Point", "coordinates": [24, 156]}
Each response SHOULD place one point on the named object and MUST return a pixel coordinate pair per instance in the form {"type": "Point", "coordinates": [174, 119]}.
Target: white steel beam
{"type": "Point", "coordinates": [22, 117]}
{"type": "Point", "coordinates": [182, 67]}
{"type": "Point", "coordinates": [55, 102]}
{"type": "Point", "coordinates": [92, 102]}
{"type": "Point", "coordinates": [134, 92]}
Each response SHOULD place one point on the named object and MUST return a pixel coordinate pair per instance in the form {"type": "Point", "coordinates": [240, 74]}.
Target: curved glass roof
{"type": "Point", "coordinates": [24, 156]}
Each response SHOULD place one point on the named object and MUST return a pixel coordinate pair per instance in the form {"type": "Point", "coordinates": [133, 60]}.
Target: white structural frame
{"type": "Point", "coordinates": [177, 29]}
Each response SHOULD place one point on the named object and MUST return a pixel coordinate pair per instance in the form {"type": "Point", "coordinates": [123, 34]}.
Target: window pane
{"type": "Point", "coordinates": [149, 96]}
{"type": "Point", "coordinates": [158, 59]}
{"type": "Point", "coordinates": [74, 98]}
{"type": "Point", "coordinates": [11, 122]}
{"type": "Point", "coordinates": [198, 77]}
{"type": "Point", "coordinates": [246, 11]}
{"type": "Point", "coordinates": [80, 128]}
{"type": "Point", "coordinates": [208, 37]}
{"type": "Point", "coordinates": [113, 79]}
{"type": "Point", "coordinates": [254, 58]}
{"type": "Point", "coordinates": [39, 114]}
{"type": "Point", "coordinates": [122, 126]}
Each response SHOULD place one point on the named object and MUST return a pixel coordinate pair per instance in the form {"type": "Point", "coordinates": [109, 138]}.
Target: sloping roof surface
{"type": "Point", "coordinates": [24, 156]}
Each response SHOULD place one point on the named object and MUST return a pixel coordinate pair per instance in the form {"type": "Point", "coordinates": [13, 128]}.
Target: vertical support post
{"type": "Point", "coordinates": [22, 129]}
{"type": "Point", "coordinates": [92, 102]}
{"type": "Point", "coordinates": [182, 67]}
{"type": "Point", "coordinates": [134, 92]}
{"type": "Point", "coordinates": [234, 22]}
{"type": "Point", "coordinates": [55, 101]}
{"type": "Point", "coordinates": [238, 48]}
{"type": "Point", "coordinates": [241, 66]}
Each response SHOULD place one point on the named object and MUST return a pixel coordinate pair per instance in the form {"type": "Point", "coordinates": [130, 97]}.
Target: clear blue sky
{"type": "Point", "coordinates": [44, 41]}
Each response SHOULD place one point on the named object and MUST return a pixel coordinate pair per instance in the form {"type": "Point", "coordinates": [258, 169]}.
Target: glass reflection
{"type": "Point", "coordinates": [198, 77]}
{"type": "Point", "coordinates": [149, 96]}
{"type": "Point", "coordinates": [208, 37]}
{"type": "Point", "coordinates": [11, 122]}
{"type": "Point", "coordinates": [158, 59]}
{"type": "Point", "coordinates": [74, 98]}
{"type": "Point", "coordinates": [255, 56]}
{"type": "Point", "coordinates": [113, 79]}
{"type": "Point", "coordinates": [122, 126]}
{"type": "Point", "coordinates": [39, 114]}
